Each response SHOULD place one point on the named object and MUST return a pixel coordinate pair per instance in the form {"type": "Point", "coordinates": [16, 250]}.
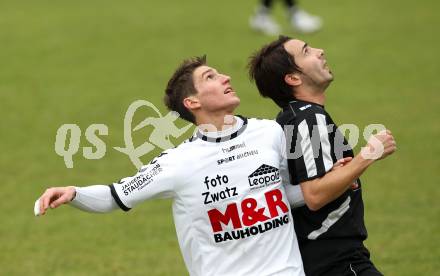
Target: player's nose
{"type": "Point", "coordinates": [226, 79]}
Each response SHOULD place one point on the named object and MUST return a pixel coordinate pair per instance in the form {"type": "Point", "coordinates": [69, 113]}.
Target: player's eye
{"type": "Point", "coordinates": [210, 76]}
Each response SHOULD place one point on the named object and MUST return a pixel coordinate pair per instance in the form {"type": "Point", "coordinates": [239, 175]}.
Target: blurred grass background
{"type": "Point", "coordinates": [84, 62]}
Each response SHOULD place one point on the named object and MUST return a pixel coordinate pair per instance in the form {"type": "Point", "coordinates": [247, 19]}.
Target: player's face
{"type": "Point", "coordinates": [311, 61]}
{"type": "Point", "coordinates": [214, 90]}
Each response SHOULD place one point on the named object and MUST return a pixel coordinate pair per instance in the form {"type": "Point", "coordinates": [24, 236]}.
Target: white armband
{"type": "Point", "coordinates": [294, 195]}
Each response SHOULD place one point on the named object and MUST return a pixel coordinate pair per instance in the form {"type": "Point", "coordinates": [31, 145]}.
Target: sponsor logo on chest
{"type": "Point", "coordinates": [218, 189]}
{"type": "Point", "coordinates": [233, 147]}
{"type": "Point", "coordinates": [249, 217]}
{"type": "Point", "coordinates": [238, 156]}
{"type": "Point", "coordinates": [264, 176]}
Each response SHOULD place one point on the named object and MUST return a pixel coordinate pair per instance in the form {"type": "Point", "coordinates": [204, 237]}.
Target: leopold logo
{"type": "Point", "coordinates": [265, 175]}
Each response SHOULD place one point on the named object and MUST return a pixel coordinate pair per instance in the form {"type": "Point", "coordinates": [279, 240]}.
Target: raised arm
{"type": "Point", "coordinates": [321, 191]}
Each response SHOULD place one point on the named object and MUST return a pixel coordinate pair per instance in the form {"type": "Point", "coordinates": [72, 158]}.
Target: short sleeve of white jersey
{"type": "Point", "coordinates": [293, 192]}
{"type": "Point", "coordinates": [155, 180]}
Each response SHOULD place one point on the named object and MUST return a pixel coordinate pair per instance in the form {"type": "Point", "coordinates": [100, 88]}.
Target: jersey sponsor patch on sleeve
{"type": "Point", "coordinates": [141, 180]}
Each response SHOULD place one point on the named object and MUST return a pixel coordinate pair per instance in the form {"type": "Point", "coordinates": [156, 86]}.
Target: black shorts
{"type": "Point", "coordinates": [359, 264]}
{"type": "Point", "coordinates": [333, 258]}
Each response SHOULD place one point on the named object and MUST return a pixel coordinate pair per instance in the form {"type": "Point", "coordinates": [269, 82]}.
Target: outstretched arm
{"type": "Point", "coordinates": [155, 180]}
{"type": "Point", "coordinates": [96, 199]}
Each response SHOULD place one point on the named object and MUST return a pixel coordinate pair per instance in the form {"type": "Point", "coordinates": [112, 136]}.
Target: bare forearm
{"type": "Point", "coordinates": [321, 191]}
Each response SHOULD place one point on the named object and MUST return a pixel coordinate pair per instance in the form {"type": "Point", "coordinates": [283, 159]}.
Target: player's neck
{"type": "Point", "coordinates": [216, 122]}
{"type": "Point", "coordinates": [317, 97]}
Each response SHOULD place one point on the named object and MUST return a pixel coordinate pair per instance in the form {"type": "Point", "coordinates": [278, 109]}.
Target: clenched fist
{"type": "Point", "coordinates": [379, 146]}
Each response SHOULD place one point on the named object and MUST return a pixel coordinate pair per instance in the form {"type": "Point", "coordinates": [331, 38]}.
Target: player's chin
{"type": "Point", "coordinates": [329, 75]}
{"type": "Point", "coordinates": [235, 102]}
{"type": "Point", "coordinates": [233, 97]}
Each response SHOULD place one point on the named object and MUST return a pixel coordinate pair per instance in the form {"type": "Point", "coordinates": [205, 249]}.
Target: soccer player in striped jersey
{"type": "Point", "coordinates": [227, 182]}
{"type": "Point", "coordinates": [330, 235]}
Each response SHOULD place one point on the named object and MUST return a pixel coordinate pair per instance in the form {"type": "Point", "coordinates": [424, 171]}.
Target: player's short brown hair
{"type": "Point", "coordinates": [181, 86]}
{"type": "Point", "coordinates": [268, 67]}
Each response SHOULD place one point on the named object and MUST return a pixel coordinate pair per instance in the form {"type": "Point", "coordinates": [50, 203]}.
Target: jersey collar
{"type": "Point", "coordinates": [301, 101]}
{"type": "Point", "coordinates": [223, 138]}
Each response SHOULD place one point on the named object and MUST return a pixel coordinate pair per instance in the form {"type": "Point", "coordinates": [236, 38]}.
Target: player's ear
{"type": "Point", "coordinates": [191, 102]}
{"type": "Point", "coordinates": [293, 79]}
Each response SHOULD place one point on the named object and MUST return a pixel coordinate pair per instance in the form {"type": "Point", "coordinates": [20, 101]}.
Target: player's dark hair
{"type": "Point", "coordinates": [268, 67]}
{"type": "Point", "coordinates": [181, 86]}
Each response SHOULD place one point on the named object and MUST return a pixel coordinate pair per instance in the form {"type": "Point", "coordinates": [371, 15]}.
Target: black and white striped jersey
{"type": "Point", "coordinates": [315, 145]}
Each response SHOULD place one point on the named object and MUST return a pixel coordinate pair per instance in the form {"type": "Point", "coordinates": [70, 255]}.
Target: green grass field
{"type": "Point", "coordinates": [84, 62]}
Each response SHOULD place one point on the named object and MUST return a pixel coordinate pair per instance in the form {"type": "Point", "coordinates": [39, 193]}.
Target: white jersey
{"type": "Point", "coordinates": [230, 209]}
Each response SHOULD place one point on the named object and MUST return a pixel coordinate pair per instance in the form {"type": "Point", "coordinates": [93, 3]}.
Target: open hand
{"type": "Point", "coordinates": [53, 197]}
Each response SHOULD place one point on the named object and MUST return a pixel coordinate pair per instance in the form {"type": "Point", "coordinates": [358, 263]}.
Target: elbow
{"type": "Point", "coordinates": [314, 202]}
{"type": "Point", "coordinates": [313, 196]}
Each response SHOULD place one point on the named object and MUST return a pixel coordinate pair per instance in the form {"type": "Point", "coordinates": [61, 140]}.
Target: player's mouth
{"type": "Point", "coordinates": [229, 90]}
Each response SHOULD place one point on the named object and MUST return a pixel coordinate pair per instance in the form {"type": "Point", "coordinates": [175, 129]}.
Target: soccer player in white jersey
{"type": "Point", "coordinates": [230, 208]}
